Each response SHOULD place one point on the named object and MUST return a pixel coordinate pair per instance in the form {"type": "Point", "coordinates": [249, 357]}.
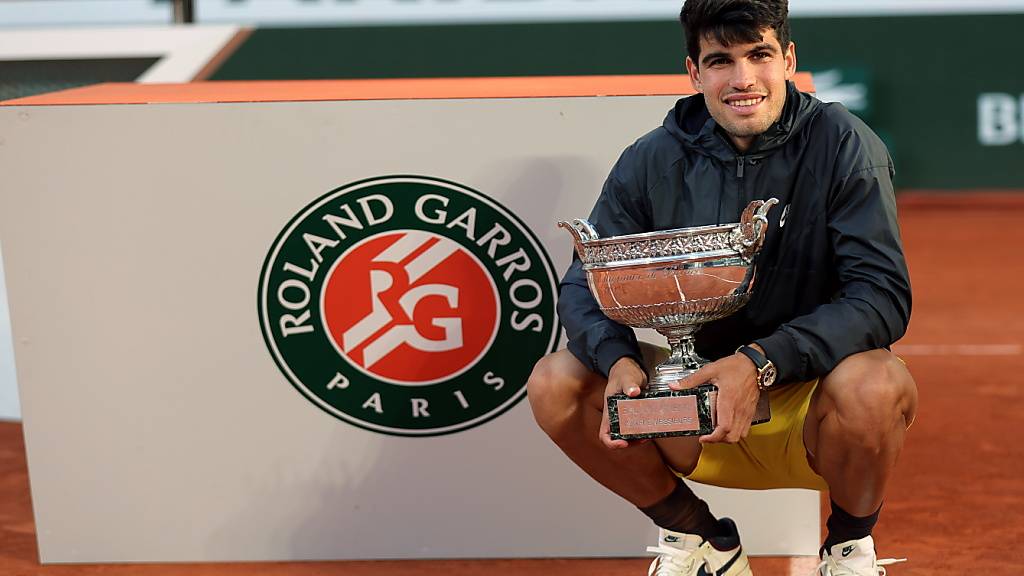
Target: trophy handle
{"type": "Point", "coordinates": [752, 229]}
{"type": "Point", "coordinates": [582, 232]}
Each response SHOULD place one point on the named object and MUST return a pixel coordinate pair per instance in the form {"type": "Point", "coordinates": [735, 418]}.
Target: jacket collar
{"type": "Point", "coordinates": [692, 124]}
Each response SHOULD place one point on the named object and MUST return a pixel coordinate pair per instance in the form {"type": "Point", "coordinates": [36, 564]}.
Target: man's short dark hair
{"type": "Point", "coordinates": [733, 22]}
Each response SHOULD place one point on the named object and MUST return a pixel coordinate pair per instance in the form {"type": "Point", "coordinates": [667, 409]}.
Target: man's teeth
{"type": "Point", "coordinates": [747, 102]}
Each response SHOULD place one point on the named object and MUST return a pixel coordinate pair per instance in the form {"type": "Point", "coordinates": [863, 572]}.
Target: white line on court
{"type": "Point", "coordinates": [958, 349]}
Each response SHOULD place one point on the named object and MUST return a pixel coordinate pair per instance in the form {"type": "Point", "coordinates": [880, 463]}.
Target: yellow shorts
{"type": "Point", "coordinates": [771, 456]}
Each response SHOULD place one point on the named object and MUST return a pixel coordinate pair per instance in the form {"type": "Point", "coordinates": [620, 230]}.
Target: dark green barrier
{"type": "Point", "coordinates": [944, 91]}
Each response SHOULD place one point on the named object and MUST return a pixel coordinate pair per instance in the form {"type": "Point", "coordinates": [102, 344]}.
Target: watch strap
{"type": "Point", "coordinates": [755, 356]}
{"type": "Point", "coordinates": [765, 369]}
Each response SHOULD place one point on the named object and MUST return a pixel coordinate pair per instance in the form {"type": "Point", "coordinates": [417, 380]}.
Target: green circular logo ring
{"type": "Point", "coordinates": [408, 305]}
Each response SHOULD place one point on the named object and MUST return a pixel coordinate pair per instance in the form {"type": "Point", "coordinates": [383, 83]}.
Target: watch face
{"type": "Point", "coordinates": [768, 375]}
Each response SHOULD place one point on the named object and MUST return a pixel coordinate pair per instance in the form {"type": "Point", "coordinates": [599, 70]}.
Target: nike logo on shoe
{"type": "Point", "coordinates": [725, 567]}
{"type": "Point", "coordinates": [848, 550]}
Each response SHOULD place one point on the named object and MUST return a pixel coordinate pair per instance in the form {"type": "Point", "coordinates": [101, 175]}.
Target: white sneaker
{"type": "Point", "coordinates": [690, 555]}
{"type": "Point", "coordinates": [854, 558]}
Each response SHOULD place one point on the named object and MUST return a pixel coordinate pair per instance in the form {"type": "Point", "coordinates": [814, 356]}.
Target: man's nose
{"type": "Point", "coordinates": [742, 76]}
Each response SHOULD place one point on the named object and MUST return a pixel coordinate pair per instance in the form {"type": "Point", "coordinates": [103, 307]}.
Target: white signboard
{"type": "Point", "coordinates": [9, 407]}
{"type": "Point", "coordinates": [180, 402]}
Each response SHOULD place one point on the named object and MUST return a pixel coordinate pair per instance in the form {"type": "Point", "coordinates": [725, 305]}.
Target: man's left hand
{"type": "Point", "coordinates": [736, 379]}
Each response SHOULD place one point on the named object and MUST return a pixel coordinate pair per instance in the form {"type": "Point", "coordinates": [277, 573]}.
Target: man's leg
{"type": "Point", "coordinates": [854, 433]}
{"type": "Point", "coordinates": [568, 400]}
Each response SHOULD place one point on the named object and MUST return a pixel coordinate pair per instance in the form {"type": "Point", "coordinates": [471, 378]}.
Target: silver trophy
{"type": "Point", "coordinates": [673, 281]}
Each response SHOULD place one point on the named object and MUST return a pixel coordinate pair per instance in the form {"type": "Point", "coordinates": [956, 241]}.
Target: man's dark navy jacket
{"type": "Point", "coordinates": [831, 279]}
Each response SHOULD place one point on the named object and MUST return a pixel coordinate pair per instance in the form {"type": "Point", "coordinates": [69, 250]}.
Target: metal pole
{"type": "Point", "coordinates": [184, 11]}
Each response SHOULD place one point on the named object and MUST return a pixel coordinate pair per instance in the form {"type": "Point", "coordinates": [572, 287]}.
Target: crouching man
{"type": "Point", "coordinates": [832, 294]}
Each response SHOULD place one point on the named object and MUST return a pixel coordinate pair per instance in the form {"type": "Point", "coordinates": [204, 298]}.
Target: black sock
{"type": "Point", "coordinates": [843, 527]}
{"type": "Point", "coordinates": [683, 511]}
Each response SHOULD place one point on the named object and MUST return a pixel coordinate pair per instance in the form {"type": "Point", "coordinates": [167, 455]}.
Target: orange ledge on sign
{"type": "Point", "coordinates": [389, 89]}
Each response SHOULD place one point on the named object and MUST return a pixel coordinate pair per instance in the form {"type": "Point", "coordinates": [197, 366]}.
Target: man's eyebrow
{"type": "Point", "coordinates": [763, 46]}
{"type": "Point", "coordinates": [760, 47]}
{"type": "Point", "coordinates": [712, 55]}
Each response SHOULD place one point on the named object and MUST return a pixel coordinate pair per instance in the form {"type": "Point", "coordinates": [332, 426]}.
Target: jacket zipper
{"type": "Point", "coordinates": [740, 161]}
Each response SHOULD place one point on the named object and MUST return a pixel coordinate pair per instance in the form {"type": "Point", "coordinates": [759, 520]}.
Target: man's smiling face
{"type": "Point", "coordinates": [744, 85]}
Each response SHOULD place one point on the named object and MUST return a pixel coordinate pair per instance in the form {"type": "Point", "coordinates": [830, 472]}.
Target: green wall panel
{"type": "Point", "coordinates": [926, 76]}
{"type": "Point", "coordinates": [21, 78]}
{"type": "Point", "coordinates": [923, 75]}
{"type": "Point", "coordinates": [478, 50]}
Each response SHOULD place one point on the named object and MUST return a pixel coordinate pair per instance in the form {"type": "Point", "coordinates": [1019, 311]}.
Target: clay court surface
{"type": "Point", "coordinates": [955, 505]}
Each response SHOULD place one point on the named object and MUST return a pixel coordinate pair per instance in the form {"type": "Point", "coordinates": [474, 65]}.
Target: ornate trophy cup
{"type": "Point", "coordinates": [673, 281]}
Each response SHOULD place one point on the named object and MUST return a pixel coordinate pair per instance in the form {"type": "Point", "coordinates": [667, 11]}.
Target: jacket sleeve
{"type": "Point", "coordinates": [594, 339]}
{"type": "Point", "coordinates": [871, 307]}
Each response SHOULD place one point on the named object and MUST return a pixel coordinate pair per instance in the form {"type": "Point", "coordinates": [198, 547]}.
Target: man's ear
{"type": "Point", "coordinates": [694, 74]}
{"type": "Point", "coordinates": [790, 60]}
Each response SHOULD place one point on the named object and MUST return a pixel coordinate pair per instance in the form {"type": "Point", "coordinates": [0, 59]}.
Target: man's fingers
{"type": "Point", "coordinates": [606, 439]}
{"type": "Point", "coordinates": [723, 433]}
{"type": "Point", "coordinates": [631, 386]}
{"type": "Point", "coordinates": [733, 426]}
{"type": "Point", "coordinates": [614, 444]}
{"type": "Point", "coordinates": [741, 419]}
{"type": "Point", "coordinates": [745, 425]}
{"type": "Point", "coordinates": [605, 434]}
{"type": "Point", "coordinates": [704, 375]}
{"type": "Point", "coordinates": [626, 376]}
{"type": "Point", "coordinates": [737, 397]}
{"type": "Point", "coordinates": [717, 435]}
{"type": "Point", "coordinates": [727, 428]}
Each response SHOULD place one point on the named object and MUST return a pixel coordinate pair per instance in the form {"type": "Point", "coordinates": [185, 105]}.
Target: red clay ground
{"type": "Point", "coordinates": [955, 505]}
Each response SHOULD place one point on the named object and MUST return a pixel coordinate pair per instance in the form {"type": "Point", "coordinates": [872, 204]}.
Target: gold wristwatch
{"type": "Point", "coordinates": [766, 371]}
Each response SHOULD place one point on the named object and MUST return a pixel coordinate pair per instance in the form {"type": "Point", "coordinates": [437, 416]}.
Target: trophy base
{"type": "Point", "coordinates": [663, 414]}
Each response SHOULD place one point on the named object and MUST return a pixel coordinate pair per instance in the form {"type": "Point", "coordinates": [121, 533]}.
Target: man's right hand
{"type": "Point", "coordinates": [626, 376]}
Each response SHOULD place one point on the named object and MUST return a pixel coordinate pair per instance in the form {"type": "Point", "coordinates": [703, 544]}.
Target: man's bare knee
{"type": "Point", "coordinates": [869, 392]}
{"type": "Point", "coordinates": [558, 388]}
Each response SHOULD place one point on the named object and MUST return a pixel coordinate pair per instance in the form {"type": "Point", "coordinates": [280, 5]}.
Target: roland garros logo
{"type": "Point", "coordinates": [408, 305]}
